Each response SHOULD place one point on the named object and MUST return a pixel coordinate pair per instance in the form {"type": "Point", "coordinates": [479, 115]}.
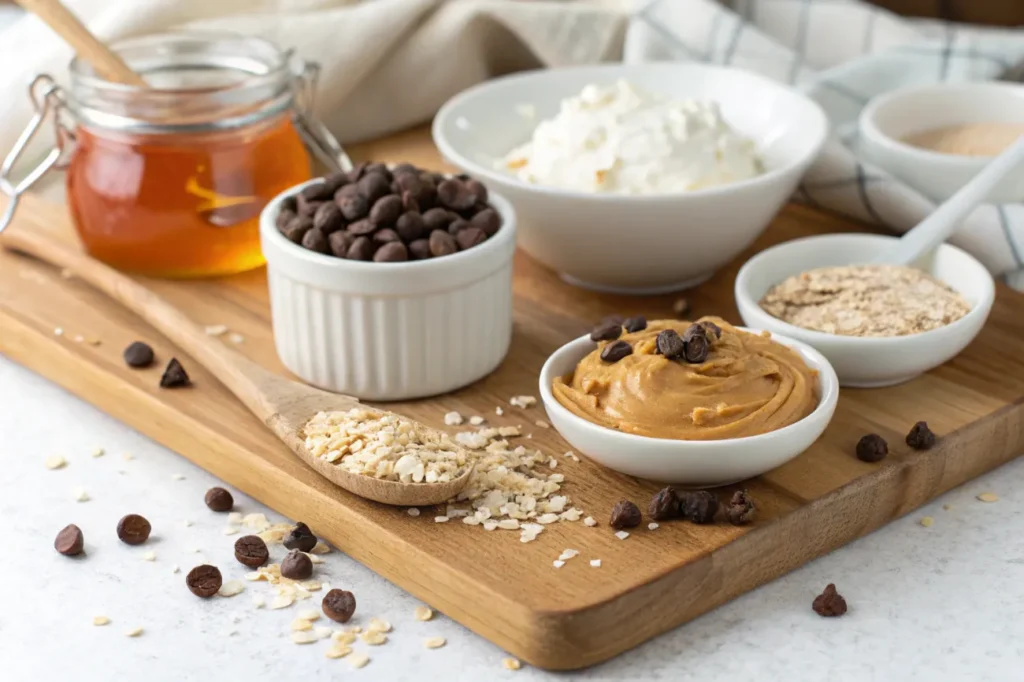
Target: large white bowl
{"type": "Point", "coordinates": [691, 463]}
{"type": "Point", "coordinates": [390, 331]}
{"type": "Point", "coordinates": [635, 244]}
{"type": "Point", "coordinates": [874, 361]}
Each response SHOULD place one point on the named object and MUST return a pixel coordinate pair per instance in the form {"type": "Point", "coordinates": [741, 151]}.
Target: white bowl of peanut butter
{"type": "Point", "coordinates": [935, 138]}
{"type": "Point", "coordinates": [754, 403]}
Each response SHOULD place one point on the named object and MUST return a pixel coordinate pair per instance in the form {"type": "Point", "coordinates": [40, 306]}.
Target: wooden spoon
{"type": "Point", "coordinates": [284, 406]}
{"type": "Point", "coordinates": [88, 47]}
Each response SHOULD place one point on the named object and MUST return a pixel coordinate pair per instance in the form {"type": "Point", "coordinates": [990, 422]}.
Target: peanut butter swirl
{"type": "Point", "coordinates": [748, 385]}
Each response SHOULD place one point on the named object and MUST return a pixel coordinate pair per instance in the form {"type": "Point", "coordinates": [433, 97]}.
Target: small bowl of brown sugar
{"type": "Point", "coordinates": [878, 325]}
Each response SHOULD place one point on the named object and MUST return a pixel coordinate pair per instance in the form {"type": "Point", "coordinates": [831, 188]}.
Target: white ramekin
{"type": "Point", "coordinates": [390, 331]}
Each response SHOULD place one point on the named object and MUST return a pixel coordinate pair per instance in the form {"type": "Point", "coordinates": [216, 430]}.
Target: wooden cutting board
{"type": "Point", "coordinates": [498, 587]}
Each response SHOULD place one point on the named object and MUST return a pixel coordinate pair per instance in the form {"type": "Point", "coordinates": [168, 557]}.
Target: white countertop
{"type": "Point", "coordinates": [938, 603]}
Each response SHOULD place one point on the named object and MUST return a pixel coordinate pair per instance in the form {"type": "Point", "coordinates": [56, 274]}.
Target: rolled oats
{"type": "Point", "coordinates": [622, 535]}
{"type": "Point", "coordinates": [134, 632]}
{"type": "Point", "coordinates": [100, 620]}
{"type": "Point", "coordinates": [453, 419]}
{"type": "Point", "coordinates": [55, 462]}
{"type": "Point", "coordinates": [373, 637]}
{"type": "Point", "coordinates": [523, 401]}
{"type": "Point", "coordinates": [358, 660]}
{"type": "Point", "coordinates": [423, 613]}
{"type": "Point", "coordinates": [434, 642]}
{"type": "Point", "coordinates": [338, 651]}
{"type": "Point", "coordinates": [304, 637]}
{"type": "Point", "coordinates": [412, 511]}
{"type": "Point", "coordinates": [988, 497]}
{"type": "Point", "coordinates": [511, 663]}
{"type": "Point", "coordinates": [596, 563]}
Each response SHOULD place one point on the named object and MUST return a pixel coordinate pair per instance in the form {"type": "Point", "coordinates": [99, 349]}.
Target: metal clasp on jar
{"type": "Point", "coordinates": [315, 134]}
{"type": "Point", "coordinates": [47, 99]}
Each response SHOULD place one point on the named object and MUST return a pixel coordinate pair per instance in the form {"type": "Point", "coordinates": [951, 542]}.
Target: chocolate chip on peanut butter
{"type": "Point", "coordinates": [635, 324]}
{"type": "Point", "coordinates": [606, 331]}
{"type": "Point", "coordinates": [616, 350]}
{"type": "Point", "coordinates": [696, 344]}
{"type": "Point", "coordinates": [670, 344]}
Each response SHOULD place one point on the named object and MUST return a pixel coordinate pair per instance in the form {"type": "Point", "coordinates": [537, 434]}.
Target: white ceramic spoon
{"type": "Point", "coordinates": [941, 224]}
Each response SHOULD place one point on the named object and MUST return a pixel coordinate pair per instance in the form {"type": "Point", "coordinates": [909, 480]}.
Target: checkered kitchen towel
{"type": "Point", "coordinates": [843, 53]}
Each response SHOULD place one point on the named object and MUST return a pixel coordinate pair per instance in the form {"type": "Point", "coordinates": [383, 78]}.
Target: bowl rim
{"type": "Point", "coordinates": [869, 128]}
{"type": "Point", "coordinates": [770, 176]}
{"type": "Point", "coordinates": [491, 247]}
{"type": "Point", "coordinates": [827, 378]}
{"type": "Point", "coordinates": [741, 291]}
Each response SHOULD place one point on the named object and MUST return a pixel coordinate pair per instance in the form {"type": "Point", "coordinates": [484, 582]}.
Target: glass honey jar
{"type": "Point", "coordinates": [169, 180]}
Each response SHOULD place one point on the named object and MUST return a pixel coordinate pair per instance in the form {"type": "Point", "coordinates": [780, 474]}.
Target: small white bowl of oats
{"type": "Point", "coordinates": [878, 325]}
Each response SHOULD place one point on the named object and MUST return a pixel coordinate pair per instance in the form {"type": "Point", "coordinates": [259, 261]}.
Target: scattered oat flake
{"type": "Point", "coordinates": [343, 637]}
{"type": "Point", "coordinates": [231, 530]}
{"type": "Point", "coordinates": [175, 569]}
{"type": "Point", "coordinates": [178, 477]}
{"type": "Point", "coordinates": [622, 535]}
{"type": "Point", "coordinates": [552, 463]}
{"type": "Point", "coordinates": [358, 660]}
{"type": "Point", "coordinates": [134, 632]}
{"type": "Point", "coordinates": [927, 521]}
{"type": "Point", "coordinates": [58, 331]}
{"type": "Point", "coordinates": [78, 338]}
{"type": "Point", "coordinates": [568, 554]}
{"type": "Point", "coordinates": [498, 411]}
{"type": "Point", "coordinates": [338, 651]}
{"type": "Point", "coordinates": [412, 511]}
{"type": "Point", "coordinates": [258, 601]}
{"type": "Point", "coordinates": [522, 401]}
{"type": "Point", "coordinates": [100, 620]}
{"type": "Point", "coordinates": [55, 462]}
{"type": "Point", "coordinates": [557, 563]}
{"type": "Point", "coordinates": [81, 495]}
{"type": "Point", "coordinates": [453, 419]}
{"type": "Point", "coordinates": [231, 588]}
{"type": "Point", "coordinates": [235, 517]}
{"type": "Point", "coordinates": [373, 637]}
{"type": "Point", "coordinates": [216, 329]}
{"type": "Point", "coordinates": [235, 337]}
{"type": "Point", "coordinates": [434, 642]}
{"type": "Point", "coordinates": [542, 424]}
{"type": "Point", "coordinates": [304, 637]}
{"type": "Point", "coordinates": [93, 341]}
{"type": "Point", "coordinates": [379, 624]}
{"type": "Point", "coordinates": [476, 420]}
{"type": "Point", "coordinates": [440, 519]}
{"type": "Point", "coordinates": [423, 613]}
{"type": "Point", "coordinates": [322, 631]}
{"type": "Point", "coordinates": [301, 625]}
{"type": "Point", "coordinates": [187, 523]}
{"type": "Point", "coordinates": [315, 559]}
{"type": "Point", "coordinates": [309, 614]}
{"type": "Point", "coordinates": [988, 497]}
{"type": "Point", "coordinates": [511, 664]}
{"type": "Point", "coordinates": [589, 521]}
{"type": "Point", "coordinates": [97, 452]}
{"type": "Point", "coordinates": [652, 526]}
{"type": "Point", "coordinates": [128, 456]}
{"type": "Point", "coordinates": [282, 601]}
{"type": "Point", "coordinates": [320, 548]}
{"type": "Point", "coordinates": [596, 563]}
{"type": "Point", "coordinates": [149, 556]}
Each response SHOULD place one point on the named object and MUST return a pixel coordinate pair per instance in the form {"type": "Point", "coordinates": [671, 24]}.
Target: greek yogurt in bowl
{"type": "Point", "coordinates": [621, 139]}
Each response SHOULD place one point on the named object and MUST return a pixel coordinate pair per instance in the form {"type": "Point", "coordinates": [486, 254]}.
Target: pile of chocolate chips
{"type": "Point", "coordinates": [389, 215]}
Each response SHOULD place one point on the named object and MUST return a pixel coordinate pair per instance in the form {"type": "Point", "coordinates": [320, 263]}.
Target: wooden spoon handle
{"type": "Point", "coordinates": [87, 46]}
{"type": "Point", "coordinates": [249, 382]}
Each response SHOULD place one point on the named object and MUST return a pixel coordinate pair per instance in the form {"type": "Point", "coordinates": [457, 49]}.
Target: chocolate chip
{"type": "Point", "coordinates": [442, 244]}
{"type": "Point", "coordinates": [133, 529]}
{"type": "Point", "coordinates": [698, 506]}
{"type": "Point", "coordinates": [70, 540]}
{"type": "Point", "coordinates": [921, 437]}
{"type": "Point", "coordinates": [470, 237]}
{"type": "Point", "coordinates": [400, 168]}
{"type": "Point", "coordinates": [386, 210]}
{"type": "Point", "coordinates": [385, 235]}
{"type": "Point", "coordinates": [336, 181]}
{"type": "Point", "coordinates": [328, 218]}
{"type": "Point", "coordinates": [409, 203]}
{"type": "Point", "coordinates": [219, 500]}
{"type": "Point", "coordinates": [456, 226]}
{"type": "Point", "coordinates": [606, 331]}
{"type": "Point", "coordinates": [625, 514]}
{"type": "Point", "coordinates": [410, 226]}
{"type": "Point", "coordinates": [251, 551]}
{"type": "Point", "coordinates": [741, 508]}
{"type": "Point", "coordinates": [381, 169]}
{"type": "Point", "coordinates": [350, 190]}
{"type": "Point", "coordinates": [316, 241]}
{"type": "Point", "coordinates": [664, 505]}
{"type": "Point", "coordinates": [174, 375]}
{"type": "Point", "coordinates": [300, 537]}
{"type": "Point", "coordinates": [872, 448]}
{"type": "Point", "coordinates": [361, 249]}
{"type": "Point", "coordinates": [829, 603]}
{"type": "Point", "coordinates": [408, 182]}
{"type": "Point", "coordinates": [340, 243]}
{"type": "Point", "coordinates": [358, 171]}
{"type": "Point", "coordinates": [298, 228]}
{"type": "Point", "coordinates": [487, 220]}
{"type": "Point", "coordinates": [670, 344]}
{"type": "Point", "coordinates": [361, 228]}
{"type": "Point", "coordinates": [635, 324]}
{"type": "Point", "coordinates": [352, 206]}
{"type": "Point", "coordinates": [204, 581]}
{"type": "Point", "coordinates": [373, 186]}
{"type": "Point", "coordinates": [289, 204]}
{"type": "Point", "coordinates": [296, 566]}
{"type": "Point", "coordinates": [284, 216]}
{"type": "Point", "coordinates": [392, 252]}
{"type": "Point", "coordinates": [419, 249]}
{"type": "Point", "coordinates": [138, 355]}
{"type": "Point", "coordinates": [339, 605]}
{"type": "Point", "coordinates": [437, 219]}
{"type": "Point", "coordinates": [711, 330]}
{"type": "Point", "coordinates": [310, 197]}
{"type": "Point", "coordinates": [616, 350]}
{"type": "Point", "coordinates": [696, 341]}
{"type": "Point", "coordinates": [478, 190]}
{"type": "Point", "coordinates": [456, 195]}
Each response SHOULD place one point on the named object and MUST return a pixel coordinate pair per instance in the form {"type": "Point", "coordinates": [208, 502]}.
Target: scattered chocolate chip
{"type": "Point", "coordinates": [741, 508]}
{"type": "Point", "coordinates": [373, 186]}
{"type": "Point", "coordinates": [70, 540]}
{"type": "Point", "coordinates": [681, 307]}
{"type": "Point", "coordinates": [353, 206]}
{"type": "Point", "coordinates": [438, 219]}
{"type": "Point", "coordinates": [921, 437]}
{"type": "Point", "coordinates": [296, 566]}
{"type": "Point", "coordinates": [664, 505]}
{"type": "Point", "coordinates": [339, 605]}
{"type": "Point", "coordinates": [204, 581]}
{"type": "Point", "coordinates": [872, 448]}
{"type": "Point", "coordinates": [410, 226]}
{"type": "Point", "coordinates": [133, 529]}
{"type": "Point", "coordinates": [829, 603]}
{"type": "Point", "coordinates": [456, 195]}
{"type": "Point", "coordinates": [298, 228]}
{"type": "Point", "coordinates": [419, 249]}
{"type": "Point", "coordinates": [606, 331]}
{"type": "Point", "coordinates": [252, 551]}
{"type": "Point", "coordinates": [711, 329]}
{"type": "Point", "coordinates": [470, 237]}
{"type": "Point", "coordinates": [361, 249]}
{"type": "Point", "coordinates": [698, 506]}
{"type": "Point", "coordinates": [174, 375]}
{"type": "Point", "coordinates": [670, 344]}
{"type": "Point", "coordinates": [442, 244]}
{"type": "Point", "coordinates": [635, 324]}
{"type": "Point", "coordinates": [315, 240]}
{"type": "Point", "coordinates": [138, 355]}
{"type": "Point", "coordinates": [219, 500]}
{"type": "Point", "coordinates": [625, 514]}
{"type": "Point", "coordinates": [386, 210]}
{"type": "Point", "coordinates": [340, 243]}
{"type": "Point", "coordinates": [328, 218]}
{"type": "Point", "coordinates": [392, 252]}
{"type": "Point", "coordinates": [696, 341]}
{"type": "Point", "coordinates": [300, 537]}
{"type": "Point", "coordinates": [487, 220]}
{"type": "Point", "coordinates": [616, 350]}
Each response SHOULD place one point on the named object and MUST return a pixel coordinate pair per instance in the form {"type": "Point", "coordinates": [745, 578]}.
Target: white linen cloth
{"type": "Point", "coordinates": [389, 64]}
